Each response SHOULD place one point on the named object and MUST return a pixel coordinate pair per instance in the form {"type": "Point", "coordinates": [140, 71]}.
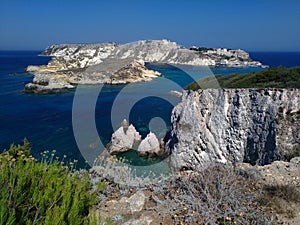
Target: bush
{"type": "Point", "coordinates": [35, 192]}
{"type": "Point", "coordinates": [216, 195]}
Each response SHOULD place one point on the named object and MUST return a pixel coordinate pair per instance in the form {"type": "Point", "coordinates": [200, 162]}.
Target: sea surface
{"type": "Point", "coordinates": [275, 59]}
{"type": "Point", "coordinates": [63, 121]}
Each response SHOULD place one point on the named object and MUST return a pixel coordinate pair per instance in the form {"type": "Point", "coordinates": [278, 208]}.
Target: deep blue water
{"type": "Point", "coordinates": [274, 59]}
{"type": "Point", "coordinates": [46, 120]}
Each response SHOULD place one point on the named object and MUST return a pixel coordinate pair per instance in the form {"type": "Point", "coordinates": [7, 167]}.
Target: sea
{"type": "Point", "coordinates": [79, 123]}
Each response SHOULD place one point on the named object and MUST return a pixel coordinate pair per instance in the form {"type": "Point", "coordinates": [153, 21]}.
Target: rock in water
{"type": "Point", "coordinates": [149, 146]}
{"type": "Point", "coordinates": [123, 139]}
{"type": "Point", "coordinates": [234, 125]}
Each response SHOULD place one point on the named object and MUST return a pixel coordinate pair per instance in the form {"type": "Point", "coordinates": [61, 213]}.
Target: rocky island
{"type": "Point", "coordinates": [112, 63]}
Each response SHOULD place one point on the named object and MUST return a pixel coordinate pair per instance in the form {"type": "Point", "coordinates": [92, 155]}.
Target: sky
{"type": "Point", "coordinates": [252, 25]}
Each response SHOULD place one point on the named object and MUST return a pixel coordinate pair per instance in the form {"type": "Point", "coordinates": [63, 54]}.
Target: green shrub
{"type": "Point", "coordinates": [279, 77]}
{"type": "Point", "coordinates": [35, 192]}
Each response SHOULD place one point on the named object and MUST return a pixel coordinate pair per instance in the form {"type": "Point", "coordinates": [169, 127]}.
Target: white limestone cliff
{"type": "Point", "coordinates": [256, 126]}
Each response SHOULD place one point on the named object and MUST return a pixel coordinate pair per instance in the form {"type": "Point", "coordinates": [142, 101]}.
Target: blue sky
{"type": "Point", "coordinates": [257, 25]}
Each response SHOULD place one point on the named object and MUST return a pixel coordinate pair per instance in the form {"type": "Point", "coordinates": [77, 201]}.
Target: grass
{"type": "Point", "coordinates": [279, 77]}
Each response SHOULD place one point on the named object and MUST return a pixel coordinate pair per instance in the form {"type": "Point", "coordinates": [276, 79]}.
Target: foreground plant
{"type": "Point", "coordinates": [35, 192]}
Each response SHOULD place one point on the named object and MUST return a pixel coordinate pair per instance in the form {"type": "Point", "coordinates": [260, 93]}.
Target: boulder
{"type": "Point", "coordinates": [149, 146]}
{"type": "Point", "coordinates": [123, 139]}
{"type": "Point", "coordinates": [125, 205]}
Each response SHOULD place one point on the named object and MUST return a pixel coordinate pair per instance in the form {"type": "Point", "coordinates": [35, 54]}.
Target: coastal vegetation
{"type": "Point", "coordinates": [34, 192]}
{"type": "Point", "coordinates": [39, 192]}
{"type": "Point", "coordinates": [279, 77]}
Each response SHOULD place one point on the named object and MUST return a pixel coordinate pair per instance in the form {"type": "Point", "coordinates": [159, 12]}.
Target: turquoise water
{"type": "Point", "coordinates": [46, 120]}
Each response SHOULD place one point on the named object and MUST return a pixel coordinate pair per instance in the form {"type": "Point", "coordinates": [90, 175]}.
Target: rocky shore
{"type": "Point", "coordinates": [112, 63]}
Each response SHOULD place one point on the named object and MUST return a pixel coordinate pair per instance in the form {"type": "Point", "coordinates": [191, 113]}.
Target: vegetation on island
{"type": "Point", "coordinates": [279, 77]}
{"type": "Point", "coordinates": [201, 49]}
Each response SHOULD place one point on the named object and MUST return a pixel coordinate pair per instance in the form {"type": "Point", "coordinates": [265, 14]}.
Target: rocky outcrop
{"type": "Point", "coordinates": [126, 138]}
{"type": "Point", "coordinates": [112, 72]}
{"type": "Point", "coordinates": [111, 63]}
{"type": "Point", "coordinates": [149, 146]}
{"type": "Point", "coordinates": [123, 139]}
{"type": "Point", "coordinates": [234, 125]}
{"type": "Point", "coordinates": [163, 51]}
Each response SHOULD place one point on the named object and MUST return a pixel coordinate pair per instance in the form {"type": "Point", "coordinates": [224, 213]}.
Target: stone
{"type": "Point", "coordinates": [276, 173]}
{"type": "Point", "coordinates": [125, 205]}
{"type": "Point", "coordinates": [233, 125]}
{"type": "Point", "coordinates": [123, 139]}
{"type": "Point", "coordinates": [137, 201]}
{"type": "Point", "coordinates": [144, 220]}
{"type": "Point", "coordinates": [149, 146]}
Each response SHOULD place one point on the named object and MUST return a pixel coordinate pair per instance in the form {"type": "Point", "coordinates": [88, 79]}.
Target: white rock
{"type": "Point", "coordinates": [149, 146]}
{"type": "Point", "coordinates": [233, 125]}
{"type": "Point", "coordinates": [123, 139]}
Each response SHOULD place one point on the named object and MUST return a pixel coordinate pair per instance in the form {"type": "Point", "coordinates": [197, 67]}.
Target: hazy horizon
{"type": "Point", "coordinates": [254, 26]}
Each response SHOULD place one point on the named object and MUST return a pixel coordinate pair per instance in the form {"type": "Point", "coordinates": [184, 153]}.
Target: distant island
{"type": "Point", "coordinates": [112, 63]}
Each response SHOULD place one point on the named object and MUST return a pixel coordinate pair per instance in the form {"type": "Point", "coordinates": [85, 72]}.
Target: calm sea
{"type": "Point", "coordinates": [274, 59]}
{"type": "Point", "coordinates": [46, 120]}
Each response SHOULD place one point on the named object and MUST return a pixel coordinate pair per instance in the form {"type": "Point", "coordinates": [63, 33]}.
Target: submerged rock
{"type": "Point", "coordinates": [149, 146]}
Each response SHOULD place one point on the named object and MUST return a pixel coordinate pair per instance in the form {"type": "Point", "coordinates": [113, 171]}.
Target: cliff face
{"type": "Point", "coordinates": [163, 51]}
{"type": "Point", "coordinates": [113, 63]}
{"type": "Point", "coordinates": [234, 125]}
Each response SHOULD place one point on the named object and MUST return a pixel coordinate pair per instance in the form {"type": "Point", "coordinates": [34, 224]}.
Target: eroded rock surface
{"type": "Point", "coordinates": [234, 125]}
{"type": "Point", "coordinates": [123, 139]}
{"type": "Point", "coordinates": [149, 146]}
{"type": "Point", "coordinates": [126, 138]}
